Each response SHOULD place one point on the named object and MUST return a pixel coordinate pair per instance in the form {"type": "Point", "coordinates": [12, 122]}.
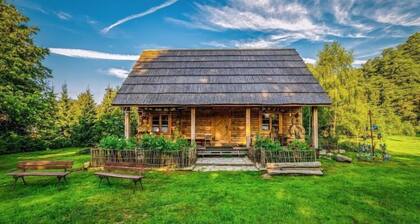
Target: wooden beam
{"type": "Point", "coordinates": [127, 127]}
{"type": "Point", "coordinates": [314, 122]}
{"type": "Point", "coordinates": [192, 125]}
{"type": "Point", "coordinates": [248, 127]}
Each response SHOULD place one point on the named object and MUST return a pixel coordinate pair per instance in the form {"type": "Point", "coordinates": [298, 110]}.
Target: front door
{"type": "Point", "coordinates": [221, 127]}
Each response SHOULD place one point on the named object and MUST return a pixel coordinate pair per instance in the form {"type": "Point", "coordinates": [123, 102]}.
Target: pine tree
{"type": "Point", "coordinates": [83, 131]}
{"type": "Point", "coordinates": [64, 116]}
{"type": "Point", "coordinates": [110, 119]}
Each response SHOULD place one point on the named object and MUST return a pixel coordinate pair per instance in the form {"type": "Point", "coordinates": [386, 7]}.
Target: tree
{"type": "Point", "coordinates": [64, 116]}
{"type": "Point", "coordinates": [84, 109]}
{"type": "Point", "coordinates": [394, 81]}
{"type": "Point", "coordinates": [345, 86]}
{"type": "Point", "coordinates": [110, 119]}
{"type": "Point", "coordinates": [24, 98]}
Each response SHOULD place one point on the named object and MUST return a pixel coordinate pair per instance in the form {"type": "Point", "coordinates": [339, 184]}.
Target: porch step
{"type": "Point", "coordinates": [222, 151]}
{"type": "Point", "coordinates": [224, 164]}
{"type": "Point", "coordinates": [224, 168]}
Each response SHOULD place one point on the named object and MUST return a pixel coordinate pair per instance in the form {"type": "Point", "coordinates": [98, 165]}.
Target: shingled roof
{"type": "Point", "coordinates": [220, 77]}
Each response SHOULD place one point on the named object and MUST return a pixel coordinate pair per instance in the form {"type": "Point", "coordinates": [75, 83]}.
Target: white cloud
{"type": "Point", "coordinates": [63, 15]}
{"type": "Point", "coordinates": [118, 72]}
{"type": "Point", "coordinates": [81, 53]}
{"type": "Point", "coordinates": [309, 60]}
{"type": "Point", "coordinates": [138, 15]}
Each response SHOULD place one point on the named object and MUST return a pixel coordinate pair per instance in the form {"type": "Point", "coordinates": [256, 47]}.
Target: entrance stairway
{"type": "Point", "coordinates": [223, 159]}
{"type": "Point", "coordinates": [222, 151]}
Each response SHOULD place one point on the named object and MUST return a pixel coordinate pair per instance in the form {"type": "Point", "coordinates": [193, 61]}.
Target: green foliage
{"type": "Point", "coordinates": [297, 145]}
{"type": "Point", "coordinates": [117, 143]}
{"type": "Point", "coordinates": [362, 193]}
{"type": "Point", "coordinates": [345, 86]}
{"type": "Point", "coordinates": [160, 143]}
{"type": "Point", "coordinates": [393, 80]}
{"type": "Point", "coordinates": [110, 119]}
{"type": "Point", "coordinates": [267, 144]}
{"type": "Point", "coordinates": [84, 131]}
{"type": "Point", "coordinates": [25, 96]}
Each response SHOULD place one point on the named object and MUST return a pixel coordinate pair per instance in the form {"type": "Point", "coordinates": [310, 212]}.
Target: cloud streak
{"type": "Point", "coordinates": [138, 15]}
{"type": "Point", "coordinates": [81, 53]}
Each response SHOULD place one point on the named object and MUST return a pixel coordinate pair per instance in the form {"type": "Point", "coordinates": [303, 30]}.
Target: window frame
{"type": "Point", "coordinates": [159, 116]}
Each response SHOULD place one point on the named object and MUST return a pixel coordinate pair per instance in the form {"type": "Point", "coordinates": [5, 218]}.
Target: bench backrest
{"type": "Point", "coordinates": [44, 165]}
{"type": "Point", "coordinates": [121, 166]}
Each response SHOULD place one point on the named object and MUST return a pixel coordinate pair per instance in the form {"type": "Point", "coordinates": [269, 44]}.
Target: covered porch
{"type": "Point", "coordinates": [224, 126]}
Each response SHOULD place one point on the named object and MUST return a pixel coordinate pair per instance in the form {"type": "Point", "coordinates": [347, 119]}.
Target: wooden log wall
{"type": "Point", "coordinates": [180, 120]}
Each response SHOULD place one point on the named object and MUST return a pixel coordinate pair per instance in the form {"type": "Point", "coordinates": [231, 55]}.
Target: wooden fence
{"type": "Point", "coordinates": [290, 156]}
{"type": "Point", "coordinates": [148, 158]}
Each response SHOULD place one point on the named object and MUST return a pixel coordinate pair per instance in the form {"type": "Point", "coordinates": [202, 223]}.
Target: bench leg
{"type": "Point", "coordinates": [65, 179]}
{"type": "Point", "coordinates": [14, 184]}
{"type": "Point", "coordinates": [141, 185]}
{"type": "Point", "coordinates": [23, 180]}
{"type": "Point", "coordinates": [107, 180]}
{"type": "Point", "coordinates": [59, 179]}
{"type": "Point", "coordinates": [100, 180]}
{"type": "Point", "coordinates": [135, 186]}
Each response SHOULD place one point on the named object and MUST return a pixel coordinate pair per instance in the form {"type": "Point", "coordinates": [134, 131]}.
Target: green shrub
{"type": "Point", "coordinates": [267, 144]}
{"type": "Point", "coordinates": [160, 143]}
{"type": "Point", "coordinates": [348, 146]}
{"type": "Point", "coordinates": [298, 145]}
{"type": "Point", "coordinates": [113, 142]}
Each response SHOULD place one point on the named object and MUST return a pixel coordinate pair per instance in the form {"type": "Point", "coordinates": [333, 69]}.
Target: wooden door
{"type": "Point", "coordinates": [221, 127]}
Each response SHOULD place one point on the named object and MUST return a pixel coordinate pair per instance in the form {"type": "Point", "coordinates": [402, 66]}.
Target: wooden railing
{"type": "Point", "coordinates": [288, 156]}
{"type": "Point", "coordinates": [148, 158]}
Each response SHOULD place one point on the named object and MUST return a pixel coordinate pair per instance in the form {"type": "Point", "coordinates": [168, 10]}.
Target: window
{"type": "Point", "coordinates": [155, 123]}
{"type": "Point", "coordinates": [164, 123]}
{"type": "Point", "coordinates": [160, 123]}
{"type": "Point", "coordinates": [265, 124]}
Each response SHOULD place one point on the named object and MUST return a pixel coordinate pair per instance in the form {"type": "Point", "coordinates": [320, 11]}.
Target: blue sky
{"type": "Point", "coordinates": [94, 43]}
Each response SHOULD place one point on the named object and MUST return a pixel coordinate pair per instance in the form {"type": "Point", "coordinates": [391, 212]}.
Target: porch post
{"type": "Point", "coordinates": [127, 128]}
{"type": "Point", "coordinates": [248, 127]}
{"type": "Point", "coordinates": [314, 125]}
{"type": "Point", "coordinates": [192, 125]}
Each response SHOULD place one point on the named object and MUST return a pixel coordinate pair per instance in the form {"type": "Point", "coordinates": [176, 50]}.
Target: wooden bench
{"type": "Point", "coordinates": [298, 168]}
{"type": "Point", "coordinates": [24, 166]}
{"type": "Point", "coordinates": [128, 171]}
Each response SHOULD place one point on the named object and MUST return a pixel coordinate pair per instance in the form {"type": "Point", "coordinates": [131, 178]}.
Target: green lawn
{"type": "Point", "coordinates": [349, 193]}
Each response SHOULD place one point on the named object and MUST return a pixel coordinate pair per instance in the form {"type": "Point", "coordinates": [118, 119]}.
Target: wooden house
{"type": "Point", "coordinates": [223, 97]}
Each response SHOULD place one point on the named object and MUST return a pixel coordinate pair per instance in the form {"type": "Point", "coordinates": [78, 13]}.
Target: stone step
{"type": "Point", "coordinates": [224, 168]}
{"type": "Point", "coordinates": [221, 153]}
{"type": "Point", "coordinates": [295, 172]}
{"type": "Point", "coordinates": [224, 161]}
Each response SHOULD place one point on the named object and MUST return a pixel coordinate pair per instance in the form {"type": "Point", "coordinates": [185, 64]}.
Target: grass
{"type": "Point", "coordinates": [360, 192]}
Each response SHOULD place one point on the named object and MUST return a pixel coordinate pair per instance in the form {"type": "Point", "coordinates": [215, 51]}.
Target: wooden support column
{"type": "Point", "coordinates": [127, 127]}
{"type": "Point", "coordinates": [248, 127]}
{"type": "Point", "coordinates": [192, 125]}
{"type": "Point", "coordinates": [314, 125]}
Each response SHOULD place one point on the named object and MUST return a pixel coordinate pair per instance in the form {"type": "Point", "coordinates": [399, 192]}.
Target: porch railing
{"type": "Point", "coordinates": [148, 158]}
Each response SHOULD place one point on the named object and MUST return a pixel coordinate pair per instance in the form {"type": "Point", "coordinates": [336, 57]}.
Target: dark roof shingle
{"type": "Point", "coordinates": [220, 77]}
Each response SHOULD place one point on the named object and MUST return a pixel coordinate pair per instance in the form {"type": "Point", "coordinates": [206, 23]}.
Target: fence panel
{"type": "Point", "coordinates": [148, 158]}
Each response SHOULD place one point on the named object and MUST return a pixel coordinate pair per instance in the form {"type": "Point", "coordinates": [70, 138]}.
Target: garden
{"type": "Point", "coordinates": [360, 192]}
{"type": "Point", "coordinates": [151, 151]}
